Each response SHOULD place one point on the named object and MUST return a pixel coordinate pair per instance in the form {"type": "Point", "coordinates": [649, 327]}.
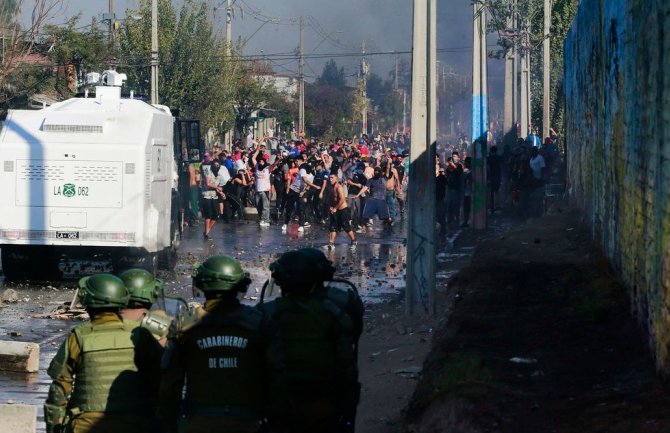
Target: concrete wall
{"type": "Point", "coordinates": [617, 61]}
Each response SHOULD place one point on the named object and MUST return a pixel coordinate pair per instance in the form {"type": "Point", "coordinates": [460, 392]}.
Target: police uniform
{"type": "Point", "coordinates": [105, 374]}
{"type": "Point", "coordinates": [228, 361]}
{"type": "Point", "coordinates": [318, 347]}
{"type": "Point", "coordinates": [112, 366]}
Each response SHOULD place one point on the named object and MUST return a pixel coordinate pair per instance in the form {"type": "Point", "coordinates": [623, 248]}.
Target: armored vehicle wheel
{"type": "Point", "coordinates": [123, 262]}
{"type": "Point", "coordinates": [167, 259]}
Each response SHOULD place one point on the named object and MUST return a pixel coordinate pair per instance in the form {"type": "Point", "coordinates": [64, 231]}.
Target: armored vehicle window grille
{"type": "Point", "coordinates": [96, 129]}
{"type": "Point", "coordinates": [147, 178]}
{"type": "Point", "coordinates": [41, 172]}
{"type": "Point", "coordinates": [96, 173]}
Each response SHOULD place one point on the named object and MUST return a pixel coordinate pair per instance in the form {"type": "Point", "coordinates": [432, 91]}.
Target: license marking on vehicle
{"type": "Point", "coordinates": [67, 235]}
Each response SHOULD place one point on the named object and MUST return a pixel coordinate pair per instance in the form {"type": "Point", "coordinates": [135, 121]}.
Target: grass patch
{"type": "Point", "coordinates": [589, 308]}
{"type": "Point", "coordinates": [463, 369]}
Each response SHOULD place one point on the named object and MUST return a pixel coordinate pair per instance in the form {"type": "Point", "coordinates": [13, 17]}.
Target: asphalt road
{"type": "Point", "coordinates": [376, 266]}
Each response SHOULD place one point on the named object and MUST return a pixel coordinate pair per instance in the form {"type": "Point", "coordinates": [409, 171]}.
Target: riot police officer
{"type": "Point", "coordinates": [144, 290]}
{"type": "Point", "coordinates": [346, 299]}
{"type": "Point", "coordinates": [228, 360]}
{"type": "Point", "coordinates": [350, 302]}
{"type": "Point", "coordinates": [102, 371]}
{"type": "Point", "coordinates": [318, 346]}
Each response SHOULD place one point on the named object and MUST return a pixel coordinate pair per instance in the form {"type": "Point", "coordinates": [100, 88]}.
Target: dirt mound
{"type": "Point", "coordinates": [540, 340]}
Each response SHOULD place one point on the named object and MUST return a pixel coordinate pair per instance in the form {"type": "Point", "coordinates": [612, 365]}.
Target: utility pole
{"type": "Point", "coordinates": [364, 77]}
{"type": "Point", "coordinates": [404, 112]}
{"type": "Point", "coordinates": [525, 81]}
{"type": "Point", "coordinates": [420, 278]}
{"type": "Point", "coordinates": [510, 109]}
{"type": "Point", "coordinates": [154, 51]}
{"type": "Point", "coordinates": [112, 16]}
{"type": "Point", "coordinates": [229, 27]}
{"type": "Point", "coordinates": [395, 86]}
{"type": "Point", "coordinates": [301, 79]}
{"type": "Point", "coordinates": [546, 66]}
{"type": "Point", "coordinates": [515, 78]}
{"type": "Point", "coordinates": [479, 115]}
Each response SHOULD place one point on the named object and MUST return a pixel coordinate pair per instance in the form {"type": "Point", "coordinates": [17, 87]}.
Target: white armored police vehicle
{"type": "Point", "coordinates": [88, 177]}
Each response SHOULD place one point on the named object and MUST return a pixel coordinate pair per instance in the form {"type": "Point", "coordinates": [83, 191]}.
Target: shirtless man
{"type": "Point", "coordinates": [340, 214]}
{"type": "Point", "coordinates": [392, 186]}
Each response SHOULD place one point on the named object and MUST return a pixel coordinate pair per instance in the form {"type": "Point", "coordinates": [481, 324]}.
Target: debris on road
{"type": "Point", "coordinates": [9, 296]}
{"type": "Point", "coordinates": [66, 311]}
{"type": "Point", "coordinates": [518, 360]}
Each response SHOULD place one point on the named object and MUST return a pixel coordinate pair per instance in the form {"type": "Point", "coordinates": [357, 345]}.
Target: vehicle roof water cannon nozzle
{"type": "Point", "coordinates": [113, 78]}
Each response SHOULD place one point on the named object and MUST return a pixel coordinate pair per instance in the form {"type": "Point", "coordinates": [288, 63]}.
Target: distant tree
{"type": "Point", "coordinates": [21, 73]}
{"type": "Point", "coordinates": [285, 110]}
{"type": "Point", "coordinates": [70, 48]}
{"type": "Point", "coordinates": [193, 70]}
{"type": "Point", "coordinates": [385, 101]}
{"type": "Point", "coordinates": [327, 106]}
{"type": "Point", "coordinates": [331, 76]}
{"type": "Point", "coordinates": [328, 103]}
{"type": "Point", "coordinates": [250, 94]}
{"type": "Point", "coordinates": [563, 12]}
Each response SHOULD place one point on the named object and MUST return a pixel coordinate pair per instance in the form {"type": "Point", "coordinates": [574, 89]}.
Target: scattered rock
{"type": "Point", "coordinates": [518, 360]}
{"type": "Point", "coordinates": [9, 295]}
{"type": "Point", "coordinates": [411, 371]}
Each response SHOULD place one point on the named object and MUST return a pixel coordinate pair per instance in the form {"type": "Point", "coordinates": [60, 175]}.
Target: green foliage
{"type": "Point", "coordinates": [250, 93]}
{"type": "Point", "coordinates": [286, 110]}
{"type": "Point", "coordinates": [462, 369]}
{"type": "Point", "coordinates": [385, 101]}
{"type": "Point", "coordinates": [563, 12]}
{"type": "Point", "coordinates": [22, 83]}
{"type": "Point", "coordinates": [8, 11]}
{"type": "Point", "coordinates": [325, 106]}
{"type": "Point", "coordinates": [331, 76]}
{"type": "Point", "coordinates": [196, 77]}
{"type": "Point", "coordinates": [328, 103]}
{"type": "Point", "coordinates": [69, 46]}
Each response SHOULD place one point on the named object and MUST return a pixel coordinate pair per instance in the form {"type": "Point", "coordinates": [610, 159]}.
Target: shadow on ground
{"type": "Point", "coordinates": [540, 339]}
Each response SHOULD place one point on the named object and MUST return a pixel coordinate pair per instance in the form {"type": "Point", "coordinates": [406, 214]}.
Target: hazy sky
{"type": "Point", "coordinates": [271, 27]}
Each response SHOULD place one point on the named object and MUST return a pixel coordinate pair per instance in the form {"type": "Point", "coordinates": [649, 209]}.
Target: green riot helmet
{"type": "Point", "coordinates": [295, 271]}
{"type": "Point", "coordinates": [325, 266]}
{"type": "Point", "coordinates": [142, 285]}
{"type": "Point", "coordinates": [220, 274]}
{"type": "Point", "coordinates": [103, 291]}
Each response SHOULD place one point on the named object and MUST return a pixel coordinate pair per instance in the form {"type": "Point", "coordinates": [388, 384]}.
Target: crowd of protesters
{"type": "Point", "coordinates": [341, 184]}
{"type": "Point", "coordinates": [344, 185]}
{"type": "Point", "coordinates": [516, 175]}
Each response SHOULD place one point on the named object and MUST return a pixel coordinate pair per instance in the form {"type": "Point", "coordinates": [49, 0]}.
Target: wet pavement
{"type": "Point", "coordinates": [376, 266]}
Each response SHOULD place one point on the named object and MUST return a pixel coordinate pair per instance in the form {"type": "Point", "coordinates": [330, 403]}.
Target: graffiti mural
{"type": "Point", "coordinates": [617, 88]}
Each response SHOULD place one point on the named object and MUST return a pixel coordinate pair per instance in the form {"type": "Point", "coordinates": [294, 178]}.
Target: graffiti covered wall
{"type": "Point", "coordinates": [617, 84]}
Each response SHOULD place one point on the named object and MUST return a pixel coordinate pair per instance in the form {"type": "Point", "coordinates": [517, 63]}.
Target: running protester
{"type": "Point", "coordinates": [340, 214]}
{"type": "Point", "coordinates": [375, 204]}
